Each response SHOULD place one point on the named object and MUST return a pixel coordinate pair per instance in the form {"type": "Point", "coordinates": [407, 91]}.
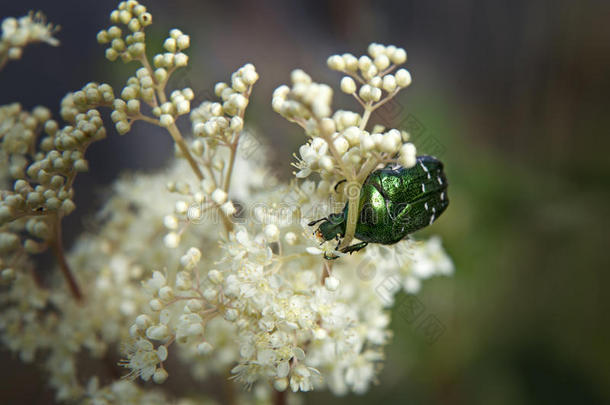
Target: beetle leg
{"type": "Point", "coordinates": [354, 248]}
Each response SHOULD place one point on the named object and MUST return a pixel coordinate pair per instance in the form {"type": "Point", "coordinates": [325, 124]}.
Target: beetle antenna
{"type": "Point", "coordinates": [312, 223]}
{"type": "Point", "coordinates": [340, 182]}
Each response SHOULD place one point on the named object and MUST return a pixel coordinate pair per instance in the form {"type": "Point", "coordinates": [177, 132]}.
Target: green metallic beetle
{"type": "Point", "coordinates": [394, 202]}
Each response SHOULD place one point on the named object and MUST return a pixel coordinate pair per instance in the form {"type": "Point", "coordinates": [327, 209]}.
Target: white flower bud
{"type": "Point", "coordinates": [204, 348]}
{"type": "Point", "coordinates": [348, 85]}
{"type": "Point", "coordinates": [382, 61]}
{"type": "Point", "coordinates": [335, 62]}
{"type": "Point", "coordinates": [326, 163]}
{"type": "Point", "coordinates": [341, 145]}
{"type": "Point", "coordinates": [280, 384]}
{"type": "Point", "coordinates": [166, 293]}
{"type": "Point", "coordinates": [351, 62]}
{"type": "Point", "coordinates": [155, 304]}
{"type": "Point", "coordinates": [237, 124]}
{"type": "Point", "coordinates": [299, 76]}
{"type": "Point", "coordinates": [165, 316]}
{"type": "Point", "coordinates": [215, 276]}
{"type": "Point", "coordinates": [272, 232]}
{"type": "Point", "coordinates": [231, 314]}
{"type": "Point", "coordinates": [375, 93]}
{"type": "Point", "coordinates": [403, 78]}
{"type": "Point", "coordinates": [194, 305]}
{"type": "Point", "coordinates": [219, 196]}
{"type": "Point", "coordinates": [399, 56]}
{"type": "Point", "coordinates": [195, 329]}
{"type": "Point", "coordinates": [352, 135]}
{"type": "Point", "coordinates": [134, 25]}
{"type": "Point", "coordinates": [183, 107]}
{"type": "Point", "coordinates": [181, 207]}
{"type": "Point", "coordinates": [166, 120]}
{"type": "Point", "coordinates": [175, 33]}
{"type": "Point", "coordinates": [210, 294]}
{"type": "Point", "coordinates": [238, 85]}
{"type": "Point", "coordinates": [160, 75]}
{"type": "Point", "coordinates": [228, 208]}
{"type": "Point", "coordinates": [143, 322]}
{"type": "Point", "coordinates": [407, 156]}
{"type": "Point", "coordinates": [170, 45]}
{"type": "Point", "coordinates": [320, 334]}
{"type": "Point", "coordinates": [390, 142]}
{"type": "Point", "coordinates": [367, 143]}
{"type": "Point", "coordinates": [331, 283]}
{"type": "Point", "coordinates": [124, 16]}
{"type": "Point", "coordinates": [122, 127]}
{"type": "Point", "coordinates": [290, 238]}
{"type": "Point", "coordinates": [208, 186]}
{"type": "Point", "coordinates": [376, 81]}
{"type": "Point", "coordinates": [364, 63]}
{"type": "Point", "coordinates": [181, 59]}
{"type": "Point", "coordinates": [389, 83]}
{"type": "Point", "coordinates": [171, 240]}
{"type": "Point", "coordinates": [183, 41]}
{"type": "Point", "coordinates": [375, 49]}
{"type": "Point", "coordinates": [170, 222]}
{"type": "Point", "coordinates": [183, 281]}
{"type": "Point", "coordinates": [365, 92]}
{"type": "Point", "coordinates": [249, 76]}
{"type": "Point", "coordinates": [160, 376]}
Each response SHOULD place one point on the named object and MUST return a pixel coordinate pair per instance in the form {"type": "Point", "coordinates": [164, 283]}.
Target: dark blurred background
{"type": "Point", "coordinates": [512, 95]}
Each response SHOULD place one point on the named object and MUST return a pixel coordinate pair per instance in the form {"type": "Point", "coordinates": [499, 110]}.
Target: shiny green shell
{"type": "Point", "coordinates": [395, 202]}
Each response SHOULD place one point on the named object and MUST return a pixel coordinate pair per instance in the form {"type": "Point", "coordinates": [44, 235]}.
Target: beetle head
{"type": "Point", "coordinates": [331, 227]}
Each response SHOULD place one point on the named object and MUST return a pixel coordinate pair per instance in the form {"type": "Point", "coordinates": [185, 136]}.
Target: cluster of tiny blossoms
{"type": "Point", "coordinates": [222, 290]}
{"type": "Point", "coordinates": [340, 147]}
{"type": "Point", "coordinates": [301, 323]}
{"type": "Point", "coordinates": [43, 160]}
{"type": "Point", "coordinates": [18, 33]}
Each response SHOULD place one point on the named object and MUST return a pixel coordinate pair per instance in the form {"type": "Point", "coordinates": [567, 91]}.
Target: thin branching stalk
{"type": "Point", "coordinates": [58, 251]}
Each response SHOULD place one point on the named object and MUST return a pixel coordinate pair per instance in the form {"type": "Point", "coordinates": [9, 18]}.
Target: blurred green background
{"type": "Point", "coordinates": [512, 96]}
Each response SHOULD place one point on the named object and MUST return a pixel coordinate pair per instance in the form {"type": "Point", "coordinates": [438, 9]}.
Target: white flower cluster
{"type": "Point", "coordinates": [340, 144]}
{"type": "Point", "coordinates": [18, 33]}
{"type": "Point", "coordinates": [217, 128]}
{"type": "Point", "coordinates": [111, 263]}
{"type": "Point", "coordinates": [248, 293]}
{"type": "Point", "coordinates": [135, 17]}
{"type": "Point", "coordinates": [43, 170]}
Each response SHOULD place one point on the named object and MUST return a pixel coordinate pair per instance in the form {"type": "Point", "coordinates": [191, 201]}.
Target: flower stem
{"type": "Point", "coordinates": [179, 140]}
{"type": "Point", "coordinates": [3, 60]}
{"type": "Point", "coordinates": [228, 390]}
{"type": "Point", "coordinates": [227, 179]}
{"type": "Point", "coordinates": [365, 117]}
{"type": "Point", "coordinates": [353, 203]}
{"type": "Point", "coordinates": [279, 397]}
{"type": "Point", "coordinates": [58, 250]}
